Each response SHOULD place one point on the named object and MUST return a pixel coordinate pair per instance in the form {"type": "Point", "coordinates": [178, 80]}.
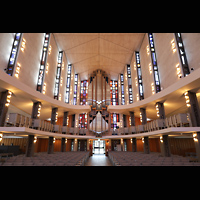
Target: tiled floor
{"type": "Point", "coordinates": [74, 158]}
{"type": "Point", "coordinates": [98, 160]}
{"type": "Point", "coordinates": [153, 159]}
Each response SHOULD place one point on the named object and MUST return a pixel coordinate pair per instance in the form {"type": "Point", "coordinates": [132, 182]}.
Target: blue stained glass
{"type": "Point", "coordinates": [17, 36]}
{"type": "Point", "coordinates": [154, 56]}
{"type": "Point", "coordinates": [139, 72]}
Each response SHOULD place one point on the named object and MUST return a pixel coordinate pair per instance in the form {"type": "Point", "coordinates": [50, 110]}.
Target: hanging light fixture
{"type": "Point", "coordinates": [157, 110]}
{"type": "Point", "coordinates": [23, 45]}
{"type": "Point", "coordinates": [17, 70]}
{"type": "Point", "coordinates": [187, 100]}
{"type": "Point", "coordinates": [1, 136]}
{"type": "Point", "coordinates": [161, 139]}
{"type": "Point", "coordinates": [173, 46]}
{"type": "Point", "coordinates": [8, 98]}
{"type": "Point", "coordinates": [195, 137]}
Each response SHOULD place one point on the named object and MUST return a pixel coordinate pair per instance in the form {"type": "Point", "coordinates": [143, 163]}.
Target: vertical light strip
{"type": "Point", "coordinates": [154, 62]}
{"type": "Point", "coordinates": [68, 83]}
{"type": "Point", "coordinates": [43, 62]}
{"type": "Point", "coordinates": [75, 89]}
{"type": "Point", "coordinates": [129, 84]}
{"type": "Point", "coordinates": [114, 92]}
{"type": "Point", "coordinates": [58, 75]}
{"type": "Point", "coordinates": [84, 92]}
{"type": "Point", "coordinates": [114, 120]}
{"type": "Point", "coordinates": [83, 121]}
{"type": "Point", "coordinates": [182, 54]}
{"type": "Point", "coordinates": [122, 89]}
{"type": "Point", "coordinates": [139, 75]}
{"type": "Point", "coordinates": [13, 54]}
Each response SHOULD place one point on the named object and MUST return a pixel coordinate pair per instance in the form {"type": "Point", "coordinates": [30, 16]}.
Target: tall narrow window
{"type": "Point", "coordinates": [114, 92]}
{"type": "Point", "coordinates": [84, 92]}
{"type": "Point", "coordinates": [43, 62]}
{"type": "Point", "coordinates": [139, 75]}
{"type": "Point", "coordinates": [122, 89]}
{"type": "Point", "coordinates": [13, 55]}
{"type": "Point", "coordinates": [114, 120]}
{"type": "Point", "coordinates": [129, 84]}
{"type": "Point", "coordinates": [58, 75]}
{"type": "Point", "coordinates": [154, 62]}
{"type": "Point", "coordinates": [182, 54]}
{"type": "Point", "coordinates": [68, 83]}
{"type": "Point", "coordinates": [75, 89]}
{"type": "Point", "coordinates": [83, 120]}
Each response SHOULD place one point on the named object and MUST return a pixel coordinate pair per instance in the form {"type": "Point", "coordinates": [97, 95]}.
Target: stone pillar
{"type": "Point", "coordinates": [146, 145]}
{"type": "Point", "coordinates": [3, 107]}
{"type": "Point", "coordinates": [30, 143]}
{"type": "Point", "coordinates": [132, 118]}
{"type": "Point", "coordinates": [197, 144]}
{"type": "Point", "coordinates": [124, 120]}
{"type": "Point", "coordinates": [75, 145]}
{"type": "Point", "coordinates": [63, 144]}
{"type": "Point", "coordinates": [50, 146]}
{"type": "Point", "coordinates": [109, 122]}
{"type": "Point", "coordinates": [161, 110]}
{"type": "Point", "coordinates": [144, 116]}
{"type": "Point", "coordinates": [164, 142]}
{"type": "Point", "coordinates": [65, 118]}
{"type": "Point", "coordinates": [30, 146]}
{"type": "Point", "coordinates": [53, 115]}
{"type": "Point", "coordinates": [92, 90]}
{"type": "Point", "coordinates": [36, 106]}
{"type": "Point", "coordinates": [194, 109]}
{"type": "Point", "coordinates": [164, 146]}
{"type": "Point", "coordinates": [122, 144]}
{"type": "Point", "coordinates": [134, 144]}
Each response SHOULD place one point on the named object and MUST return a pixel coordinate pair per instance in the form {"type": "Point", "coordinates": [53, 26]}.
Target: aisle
{"type": "Point", "coordinates": [98, 160]}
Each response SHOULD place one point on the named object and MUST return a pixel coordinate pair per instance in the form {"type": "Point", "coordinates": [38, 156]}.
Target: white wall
{"type": "Point", "coordinates": [191, 43]}
{"type": "Point", "coordinates": [52, 60]}
{"type": "Point", "coordinates": [133, 78]}
{"type": "Point", "coordinates": [166, 59]}
{"type": "Point", "coordinates": [145, 59]}
{"type": "Point", "coordinates": [62, 90]}
{"type": "Point", "coordinates": [6, 42]}
{"type": "Point", "coordinates": [30, 59]}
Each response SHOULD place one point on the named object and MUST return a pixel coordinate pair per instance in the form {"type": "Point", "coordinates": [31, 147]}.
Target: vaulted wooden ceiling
{"type": "Point", "coordinates": [106, 51]}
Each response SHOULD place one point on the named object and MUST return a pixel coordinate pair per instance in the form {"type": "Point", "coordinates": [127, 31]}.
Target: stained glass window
{"type": "Point", "coordinates": [154, 62]}
{"type": "Point", "coordinates": [58, 75]}
{"type": "Point", "coordinates": [129, 84]}
{"type": "Point", "coordinates": [182, 54]}
{"type": "Point", "coordinates": [83, 121]}
{"type": "Point", "coordinates": [43, 62]}
{"type": "Point", "coordinates": [122, 89]}
{"type": "Point", "coordinates": [139, 74]}
{"type": "Point", "coordinates": [114, 120]}
{"type": "Point", "coordinates": [84, 92]}
{"type": "Point", "coordinates": [68, 83]}
{"type": "Point", "coordinates": [114, 92]}
{"type": "Point", "coordinates": [13, 55]}
{"type": "Point", "coordinates": [75, 89]}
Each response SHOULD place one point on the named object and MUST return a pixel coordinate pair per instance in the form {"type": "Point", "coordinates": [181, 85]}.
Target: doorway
{"type": "Point", "coordinates": [114, 144]}
{"type": "Point", "coordinates": [82, 145]}
{"type": "Point", "coordinates": [98, 146]}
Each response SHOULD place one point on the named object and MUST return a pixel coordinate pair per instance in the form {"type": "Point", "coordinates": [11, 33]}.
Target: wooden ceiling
{"type": "Point", "coordinates": [106, 51]}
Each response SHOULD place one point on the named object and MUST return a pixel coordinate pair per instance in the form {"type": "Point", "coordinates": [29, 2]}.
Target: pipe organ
{"type": "Point", "coordinates": [99, 99]}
